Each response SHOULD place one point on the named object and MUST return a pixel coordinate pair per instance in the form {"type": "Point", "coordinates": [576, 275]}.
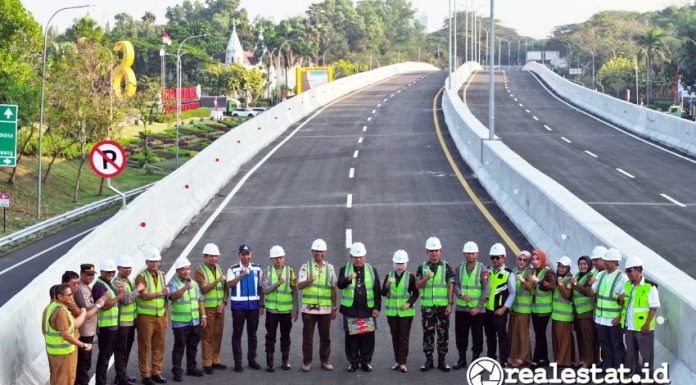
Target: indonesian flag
{"type": "Point", "coordinates": [166, 39]}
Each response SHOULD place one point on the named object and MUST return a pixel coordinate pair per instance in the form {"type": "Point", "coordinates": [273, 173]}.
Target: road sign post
{"type": "Point", "coordinates": [4, 203]}
{"type": "Point", "coordinates": [108, 159]}
{"type": "Point", "coordinates": [8, 135]}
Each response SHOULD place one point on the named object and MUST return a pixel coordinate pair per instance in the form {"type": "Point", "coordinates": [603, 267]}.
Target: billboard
{"type": "Point", "coordinates": [312, 77]}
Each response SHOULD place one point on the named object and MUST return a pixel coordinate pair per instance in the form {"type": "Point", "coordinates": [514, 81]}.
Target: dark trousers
{"type": "Point", "coordinates": [612, 345]}
{"type": "Point", "coordinates": [124, 343]}
{"type": "Point", "coordinates": [273, 320]}
{"type": "Point", "coordinates": [187, 338]}
{"type": "Point", "coordinates": [463, 322]}
{"type": "Point", "coordinates": [360, 347]}
{"type": "Point", "coordinates": [107, 343]}
{"type": "Point", "coordinates": [323, 322]}
{"type": "Point", "coordinates": [540, 323]}
{"type": "Point", "coordinates": [639, 343]}
{"type": "Point", "coordinates": [496, 331]}
{"type": "Point", "coordinates": [251, 318]}
{"type": "Point", "coordinates": [400, 331]}
{"type": "Point", "coordinates": [84, 362]}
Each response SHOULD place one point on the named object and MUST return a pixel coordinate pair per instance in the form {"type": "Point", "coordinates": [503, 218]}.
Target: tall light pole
{"type": "Point", "coordinates": [491, 74]}
{"type": "Point", "coordinates": [178, 91]}
{"type": "Point", "coordinates": [466, 31]}
{"type": "Point", "coordinates": [454, 36]}
{"type": "Point", "coordinates": [43, 95]}
{"type": "Point", "coordinates": [449, 51]}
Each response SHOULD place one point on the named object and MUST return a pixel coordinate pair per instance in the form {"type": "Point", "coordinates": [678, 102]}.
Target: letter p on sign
{"type": "Point", "coordinates": [107, 159]}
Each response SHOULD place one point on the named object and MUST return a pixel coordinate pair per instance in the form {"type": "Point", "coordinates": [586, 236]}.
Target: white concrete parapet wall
{"type": "Point", "coordinates": [669, 130]}
{"type": "Point", "coordinates": [157, 216]}
{"type": "Point", "coordinates": [554, 219]}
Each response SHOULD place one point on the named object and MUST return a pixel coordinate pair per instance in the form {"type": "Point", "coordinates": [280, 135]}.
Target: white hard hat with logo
{"type": "Point", "coordinates": [497, 249]}
{"type": "Point", "coordinates": [124, 261]}
{"type": "Point", "coordinates": [433, 243]}
{"type": "Point", "coordinates": [181, 262]}
{"type": "Point", "coordinates": [276, 251]}
{"type": "Point", "coordinates": [211, 249]}
{"type": "Point", "coordinates": [565, 261]}
{"type": "Point", "coordinates": [319, 245]}
{"type": "Point", "coordinates": [633, 262]}
{"type": "Point", "coordinates": [358, 250]}
{"type": "Point", "coordinates": [400, 256]}
{"type": "Point", "coordinates": [598, 252]}
{"type": "Point", "coordinates": [152, 254]}
{"type": "Point", "coordinates": [107, 264]}
{"type": "Point", "coordinates": [470, 247]}
{"type": "Point", "coordinates": [612, 255]}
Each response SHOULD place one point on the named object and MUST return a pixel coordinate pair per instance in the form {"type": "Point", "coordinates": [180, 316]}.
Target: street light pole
{"type": "Point", "coordinates": [43, 95]}
{"type": "Point", "coordinates": [454, 36]}
{"type": "Point", "coordinates": [178, 92]}
{"type": "Point", "coordinates": [449, 50]}
{"type": "Point", "coordinates": [491, 74]}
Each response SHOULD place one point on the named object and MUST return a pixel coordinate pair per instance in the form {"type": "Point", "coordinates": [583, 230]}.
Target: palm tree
{"type": "Point", "coordinates": [656, 50]}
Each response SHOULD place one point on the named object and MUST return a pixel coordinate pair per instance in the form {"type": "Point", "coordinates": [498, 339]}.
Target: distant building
{"type": "Point", "coordinates": [235, 54]}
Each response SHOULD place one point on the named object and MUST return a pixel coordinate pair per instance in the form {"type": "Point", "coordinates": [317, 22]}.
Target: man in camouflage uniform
{"type": "Point", "coordinates": [435, 279]}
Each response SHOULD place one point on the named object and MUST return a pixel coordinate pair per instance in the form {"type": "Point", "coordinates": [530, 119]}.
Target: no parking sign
{"type": "Point", "coordinates": [107, 159]}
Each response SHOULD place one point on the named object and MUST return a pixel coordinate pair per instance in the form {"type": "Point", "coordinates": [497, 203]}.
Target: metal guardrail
{"type": "Point", "coordinates": [61, 218]}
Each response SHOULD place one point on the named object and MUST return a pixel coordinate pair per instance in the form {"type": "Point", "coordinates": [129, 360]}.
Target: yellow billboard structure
{"type": "Point", "coordinates": [312, 77]}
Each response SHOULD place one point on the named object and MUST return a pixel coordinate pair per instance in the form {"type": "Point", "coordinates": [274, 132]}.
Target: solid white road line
{"type": "Point", "coordinates": [669, 198]}
{"type": "Point", "coordinates": [360, 140]}
{"type": "Point", "coordinates": [547, 127]}
{"type": "Point", "coordinates": [355, 154]}
{"type": "Point", "coordinates": [351, 173]}
{"type": "Point", "coordinates": [591, 154]}
{"type": "Point", "coordinates": [625, 173]}
{"type": "Point", "coordinates": [349, 238]}
{"type": "Point", "coordinates": [566, 139]}
{"type": "Point", "coordinates": [349, 201]}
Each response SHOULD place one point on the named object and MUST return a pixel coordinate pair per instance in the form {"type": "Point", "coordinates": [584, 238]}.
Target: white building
{"type": "Point", "coordinates": [234, 54]}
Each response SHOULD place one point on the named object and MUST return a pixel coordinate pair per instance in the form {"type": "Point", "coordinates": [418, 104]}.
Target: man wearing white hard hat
{"type": "Point", "coordinates": [471, 291]}
{"type": "Point", "coordinates": [502, 296]}
{"type": "Point", "coordinates": [562, 316]}
{"type": "Point", "coordinates": [401, 294]}
{"type": "Point", "coordinates": [608, 289]}
{"type": "Point", "coordinates": [126, 320]}
{"type": "Point", "coordinates": [317, 280]}
{"type": "Point", "coordinates": [212, 282]}
{"type": "Point", "coordinates": [152, 321]}
{"type": "Point", "coordinates": [282, 307]}
{"type": "Point", "coordinates": [188, 317]}
{"type": "Point", "coordinates": [435, 279]}
{"type": "Point", "coordinates": [597, 262]}
{"type": "Point", "coordinates": [641, 302]}
{"type": "Point", "coordinates": [107, 317]}
{"type": "Point", "coordinates": [361, 301]}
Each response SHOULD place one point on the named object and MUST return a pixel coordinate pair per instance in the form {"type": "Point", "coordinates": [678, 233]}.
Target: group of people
{"type": "Point", "coordinates": [600, 302]}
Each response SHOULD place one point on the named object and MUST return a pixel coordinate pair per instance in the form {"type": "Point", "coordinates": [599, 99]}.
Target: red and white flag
{"type": "Point", "coordinates": [166, 39]}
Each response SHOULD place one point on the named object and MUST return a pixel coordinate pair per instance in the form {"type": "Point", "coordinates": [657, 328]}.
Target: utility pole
{"type": "Point", "coordinates": [491, 74]}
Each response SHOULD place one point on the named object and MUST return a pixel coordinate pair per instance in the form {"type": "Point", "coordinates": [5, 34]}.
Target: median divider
{"type": "Point", "coordinates": [554, 219]}
{"type": "Point", "coordinates": [158, 215]}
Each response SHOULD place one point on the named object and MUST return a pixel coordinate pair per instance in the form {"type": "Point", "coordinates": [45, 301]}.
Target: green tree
{"type": "Point", "coordinates": [654, 44]}
{"type": "Point", "coordinates": [617, 74]}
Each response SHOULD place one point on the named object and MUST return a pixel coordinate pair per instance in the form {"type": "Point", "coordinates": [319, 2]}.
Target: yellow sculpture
{"type": "Point", "coordinates": [123, 71]}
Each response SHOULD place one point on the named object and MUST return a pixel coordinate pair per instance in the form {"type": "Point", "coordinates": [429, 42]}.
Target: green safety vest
{"type": "Point", "coordinates": [435, 291]}
{"type": "Point", "coordinates": [542, 300]}
{"type": "Point", "coordinates": [215, 296]}
{"type": "Point", "coordinates": [319, 292]}
{"type": "Point", "coordinates": [498, 283]}
{"type": "Point", "coordinates": [523, 299]}
{"type": "Point", "coordinates": [154, 307]}
{"type": "Point", "coordinates": [594, 272]}
{"type": "Point", "coordinates": [347, 293]}
{"type": "Point", "coordinates": [641, 306]}
{"type": "Point", "coordinates": [607, 306]}
{"type": "Point", "coordinates": [185, 309]}
{"type": "Point", "coordinates": [126, 313]}
{"type": "Point", "coordinates": [398, 295]}
{"type": "Point", "coordinates": [583, 304]}
{"type": "Point", "coordinates": [471, 285]}
{"type": "Point", "coordinates": [562, 308]}
{"type": "Point", "coordinates": [280, 299]}
{"type": "Point", "coordinates": [56, 345]}
{"type": "Point", "coordinates": [107, 318]}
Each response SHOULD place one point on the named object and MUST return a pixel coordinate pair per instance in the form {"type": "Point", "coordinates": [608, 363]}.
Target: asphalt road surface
{"type": "Point", "coordinates": [644, 189]}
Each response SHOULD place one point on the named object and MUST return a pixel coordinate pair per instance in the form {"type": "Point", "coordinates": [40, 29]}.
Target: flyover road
{"type": "Point", "coordinates": [645, 189]}
{"type": "Point", "coordinates": [370, 163]}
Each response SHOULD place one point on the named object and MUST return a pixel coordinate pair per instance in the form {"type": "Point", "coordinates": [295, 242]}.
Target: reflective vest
{"type": "Point", "coordinates": [107, 318]}
{"type": "Point", "coordinates": [348, 292]}
{"type": "Point", "coordinates": [56, 345]}
{"type": "Point", "coordinates": [499, 290]}
{"type": "Point", "coordinates": [185, 309]}
{"type": "Point", "coordinates": [542, 300]}
{"type": "Point", "coordinates": [435, 291]}
{"type": "Point", "coordinates": [562, 308]}
{"type": "Point", "coordinates": [319, 292]}
{"type": "Point", "coordinates": [641, 306]}
{"type": "Point", "coordinates": [398, 295]}
{"type": "Point", "coordinates": [215, 296]}
{"type": "Point", "coordinates": [594, 272]}
{"type": "Point", "coordinates": [607, 306]}
{"type": "Point", "coordinates": [470, 285]}
{"type": "Point", "coordinates": [126, 313]}
{"type": "Point", "coordinates": [583, 304]}
{"type": "Point", "coordinates": [523, 299]}
{"type": "Point", "coordinates": [279, 299]}
{"type": "Point", "coordinates": [154, 307]}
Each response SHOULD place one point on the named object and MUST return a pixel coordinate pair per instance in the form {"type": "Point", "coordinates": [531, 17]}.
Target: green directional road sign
{"type": "Point", "coordinates": [8, 135]}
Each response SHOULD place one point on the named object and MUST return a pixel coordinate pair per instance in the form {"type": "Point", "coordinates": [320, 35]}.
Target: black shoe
{"type": "Point", "coordinates": [148, 381]}
{"type": "Point", "coordinates": [219, 366]}
{"type": "Point", "coordinates": [460, 364]}
{"type": "Point", "coordinates": [352, 368]}
{"type": "Point", "coordinates": [254, 365]}
{"type": "Point", "coordinates": [269, 362]}
{"type": "Point", "coordinates": [178, 378]}
{"type": "Point", "coordinates": [238, 368]}
{"type": "Point", "coordinates": [366, 367]}
{"type": "Point", "coordinates": [208, 370]}
{"type": "Point", "coordinates": [443, 366]}
{"type": "Point", "coordinates": [285, 365]}
{"type": "Point", "coordinates": [427, 365]}
{"type": "Point", "coordinates": [159, 379]}
{"type": "Point", "coordinates": [131, 380]}
{"type": "Point", "coordinates": [194, 372]}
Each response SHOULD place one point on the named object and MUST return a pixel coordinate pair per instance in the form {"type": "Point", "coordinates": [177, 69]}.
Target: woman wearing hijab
{"type": "Point", "coordinates": [588, 347]}
{"type": "Point", "coordinates": [542, 299]}
{"type": "Point", "coordinates": [518, 325]}
{"type": "Point", "coordinates": [562, 315]}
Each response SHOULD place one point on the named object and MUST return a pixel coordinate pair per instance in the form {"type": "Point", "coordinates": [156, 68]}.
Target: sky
{"type": "Point", "coordinates": [534, 18]}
